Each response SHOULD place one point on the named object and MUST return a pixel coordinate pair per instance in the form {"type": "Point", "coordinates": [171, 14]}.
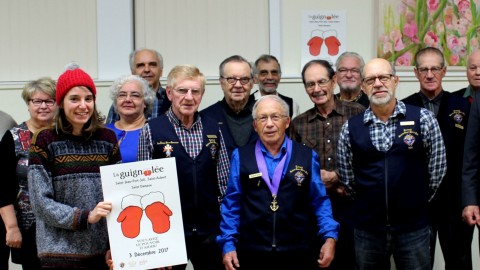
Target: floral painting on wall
{"type": "Point", "coordinates": [405, 26]}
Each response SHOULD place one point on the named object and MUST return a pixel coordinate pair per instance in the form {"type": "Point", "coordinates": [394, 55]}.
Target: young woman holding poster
{"type": "Point", "coordinates": [64, 178]}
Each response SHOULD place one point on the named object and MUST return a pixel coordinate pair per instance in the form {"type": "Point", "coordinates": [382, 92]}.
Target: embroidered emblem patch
{"type": "Point", "coordinates": [299, 177]}
{"type": "Point", "coordinates": [458, 116]}
{"type": "Point", "coordinates": [168, 149]}
{"type": "Point", "coordinates": [409, 140]}
{"type": "Point", "coordinates": [212, 145]}
{"type": "Point", "coordinates": [299, 174]}
{"type": "Point", "coordinates": [409, 137]}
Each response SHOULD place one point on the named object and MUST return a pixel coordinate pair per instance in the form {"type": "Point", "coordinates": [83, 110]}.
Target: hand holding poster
{"type": "Point", "coordinates": [145, 226]}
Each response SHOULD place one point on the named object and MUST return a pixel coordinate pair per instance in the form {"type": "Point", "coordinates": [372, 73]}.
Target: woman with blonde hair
{"type": "Point", "coordinates": [15, 208]}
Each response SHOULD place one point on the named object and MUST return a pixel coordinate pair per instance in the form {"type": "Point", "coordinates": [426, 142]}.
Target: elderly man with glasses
{"type": "Point", "coordinates": [234, 112]}
{"type": "Point", "coordinates": [201, 158]}
{"type": "Point", "coordinates": [391, 160]}
{"type": "Point", "coordinates": [349, 78]}
{"type": "Point", "coordinates": [452, 112]}
{"type": "Point", "coordinates": [276, 213]}
{"type": "Point", "coordinates": [319, 128]}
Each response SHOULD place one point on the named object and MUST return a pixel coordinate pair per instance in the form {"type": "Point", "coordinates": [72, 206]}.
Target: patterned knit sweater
{"type": "Point", "coordinates": [65, 185]}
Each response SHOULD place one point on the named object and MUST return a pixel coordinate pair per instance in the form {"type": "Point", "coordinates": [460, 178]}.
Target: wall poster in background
{"type": "Point", "coordinates": [323, 35]}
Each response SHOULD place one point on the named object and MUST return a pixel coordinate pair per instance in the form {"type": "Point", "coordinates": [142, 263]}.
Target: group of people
{"type": "Point", "coordinates": [358, 178]}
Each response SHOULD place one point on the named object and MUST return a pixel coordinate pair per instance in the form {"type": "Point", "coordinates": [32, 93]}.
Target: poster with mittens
{"type": "Point", "coordinates": [145, 225]}
{"type": "Point", "coordinates": [323, 35]}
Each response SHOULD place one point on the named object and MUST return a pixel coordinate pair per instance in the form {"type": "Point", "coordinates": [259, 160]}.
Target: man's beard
{"type": "Point", "coordinates": [269, 90]}
{"type": "Point", "coordinates": [349, 89]}
{"type": "Point", "coordinates": [380, 100]}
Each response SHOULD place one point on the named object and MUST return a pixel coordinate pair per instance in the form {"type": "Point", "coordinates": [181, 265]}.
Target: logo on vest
{"type": "Point", "coordinates": [408, 137]}
{"type": "Point", "coordinates": [212, 145]}
{"type": "Point", "coordinates": [458, 117]}
{"type": "Point", "coordinates": [299, 174]}
{"type": "Point", "coordinates": [168, 149]}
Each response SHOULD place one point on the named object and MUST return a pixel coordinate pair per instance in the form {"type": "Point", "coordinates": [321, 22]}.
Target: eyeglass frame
{"type": "Point", "coordinates": [344, 71]}
{"type": "Point", "coordinates": [274, 118]}
{"type": "Point", "coordinates": [424, 71]}
{"type": "Point", "coordinates": [320, 83]}
{"type": "Point", "coordinates": [193, 91]}
{"type": "Point", "coordinates": [41, 101]}
{"type": "Point", "coordinates": [237, 80]}
{"type": "Point", "coordinates": [124, 95]}
{"type": "Point", "coordinates": [390, 76]}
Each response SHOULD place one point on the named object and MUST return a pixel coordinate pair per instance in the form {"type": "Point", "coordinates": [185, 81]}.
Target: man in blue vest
{"type": "Point", "coordinates": [201, 158]}
{"type": "Point", "coordinates": [276, 213]}
{"type": "Point", "coordinates": [391, 159]}
{"type": "Point", "coordinates": [451, 111]}
{"type": "Point", "coordinates": [234, 112]}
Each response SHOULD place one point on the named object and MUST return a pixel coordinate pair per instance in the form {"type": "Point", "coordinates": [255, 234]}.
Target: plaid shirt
{"type": "Point", "coordinates": [320, 133]}
{"type": "Point", "coordinates": [192, 140]}
{"type": "Point", "coordinates": [382, 136]}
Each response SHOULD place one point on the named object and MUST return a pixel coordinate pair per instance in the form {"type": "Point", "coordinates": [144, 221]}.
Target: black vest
{"type": "Point", "coordinates": [197, 178]}
{"type": "Point", "coordinates": [292, 226]}
{"type": "Point", "coordinates": [391, 188]}
{"type": "Point", "coordinates": [452, 118]}
{"type": "Point", "coordinates": [289, 102]}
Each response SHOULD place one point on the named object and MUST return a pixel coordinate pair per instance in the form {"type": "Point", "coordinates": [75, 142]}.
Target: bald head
{"type": "Point", "coordinates": [473, 69]}
{"type": "Point", "coordinates": [379, 81]}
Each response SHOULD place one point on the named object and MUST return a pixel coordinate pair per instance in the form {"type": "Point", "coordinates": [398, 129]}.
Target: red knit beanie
{"type": "Point", "coordinates": [73, 76]}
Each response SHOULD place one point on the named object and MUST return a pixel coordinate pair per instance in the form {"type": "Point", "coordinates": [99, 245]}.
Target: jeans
{"type": "Point", "coordinates": [410, 250]}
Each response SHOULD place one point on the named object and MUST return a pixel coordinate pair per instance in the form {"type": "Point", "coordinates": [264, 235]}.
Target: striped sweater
{"type": "Point", "coordinates": [65, 185]}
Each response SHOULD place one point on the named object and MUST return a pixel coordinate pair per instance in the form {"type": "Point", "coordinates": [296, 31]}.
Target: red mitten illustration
{"type": "Point", "coordinates": [315, 44]}
{"type": "Point", "coordinates": [333, 45]}
{"type": "Point", "coordinates": [158, 213]}
{"type": "Point", "coordinates": [131, 215]}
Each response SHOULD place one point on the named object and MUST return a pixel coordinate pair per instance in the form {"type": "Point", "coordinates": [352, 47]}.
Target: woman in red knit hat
{"type": "Point", "coordinates": [64, 178]}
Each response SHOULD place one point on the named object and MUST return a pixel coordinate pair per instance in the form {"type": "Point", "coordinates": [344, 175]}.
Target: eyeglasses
{"type": "Point", "coordinates": [344, 71]}
{"type": "Point", "coordinates": [233, 81]}
{"type": "Point", "coordinates": [382, 78]}
{"type": "Point", "coordinates": [434, 70]}
{"type": "Point", "coordinates": [184, 91]}
{"type": "Point", "coordinates": [274, 118]}
{"type": "Point", "coordinates": [133, 96]}
{"type": "Point", "coordinates": [38, 102]}
{"type": "Point", "coordinates": [320, 83]}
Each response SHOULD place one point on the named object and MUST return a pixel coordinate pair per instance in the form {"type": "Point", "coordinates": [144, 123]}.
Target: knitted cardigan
{"type": "Point", "coordinates": [65, 185]}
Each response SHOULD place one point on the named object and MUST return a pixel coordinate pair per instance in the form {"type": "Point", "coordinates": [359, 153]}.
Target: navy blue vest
{"type": "Point", "coordinates": [197, 178]}
{"type": "Point", "coordinates": [391, 190]}
{"type": "Point", "coordinates": [292, 226]}
{"type": "Point", "coordinates": [452, 118]}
